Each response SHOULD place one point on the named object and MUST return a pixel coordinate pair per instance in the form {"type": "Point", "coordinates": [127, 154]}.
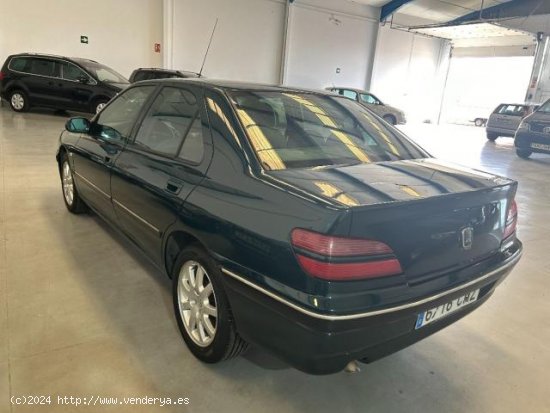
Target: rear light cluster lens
{"type": "Point", "coordinates": [511, 220]}
{"type": "Point", "coordinates": [341, 259]}
{"type": "Point", "coordinates": [2, 75]}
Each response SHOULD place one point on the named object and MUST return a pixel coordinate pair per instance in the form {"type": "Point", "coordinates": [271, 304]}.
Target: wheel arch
{"type": "Point", "coordinates": [176, 241]}
{"type": "Point", "coordinates": [98, 98]}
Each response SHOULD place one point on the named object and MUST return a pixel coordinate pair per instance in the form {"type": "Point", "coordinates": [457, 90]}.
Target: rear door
{"type": "Point", "coordinates": [97, 151]}
{"type": "Point", "coordinates": [158, 170]}
{"type": "Point", "coordinates": [43, 81]}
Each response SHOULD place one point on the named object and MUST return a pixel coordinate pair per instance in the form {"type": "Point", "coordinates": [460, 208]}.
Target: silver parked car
{"type": "Point", "coordinates": [390, 114]}
{"type": "Point", "coordinates": [506, 118]}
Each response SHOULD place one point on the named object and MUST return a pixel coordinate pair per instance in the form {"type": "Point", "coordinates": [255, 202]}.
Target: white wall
{"type": "Point", "coordinates": [326, 36]}
{"type": "Point", "coordinates": [121, 33]}
{"type": "Point", "coordinates": [247, 44]}
{"type": "Point", "coordinates": [409, 72]}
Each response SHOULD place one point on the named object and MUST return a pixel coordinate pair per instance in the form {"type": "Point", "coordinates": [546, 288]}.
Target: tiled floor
{"type": "Point", "coordinates": [82, 314]}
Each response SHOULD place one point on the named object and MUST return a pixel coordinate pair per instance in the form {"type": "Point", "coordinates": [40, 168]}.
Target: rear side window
{"type": "Point", "coordinates": [19, 64]}
{"type": "Point", "coordinates": [140, 76]}
{"type": "Point", "coordinates": [348, 93]}
{"type": "Point", "coordinates": [44, 67]}
{"type": "Point", "coordinates": [173, 125]}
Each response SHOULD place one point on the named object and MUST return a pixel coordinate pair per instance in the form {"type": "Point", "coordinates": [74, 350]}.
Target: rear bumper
{"type": "Point", "coordinates": [500, 131]}
{"type": "Point", "coordinates": [321, 343]}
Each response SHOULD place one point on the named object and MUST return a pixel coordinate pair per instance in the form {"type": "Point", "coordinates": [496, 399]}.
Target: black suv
{"type": "Point", "coordinates": [154, 73]}
{"type": "Point", "coordinates": [58, 82]}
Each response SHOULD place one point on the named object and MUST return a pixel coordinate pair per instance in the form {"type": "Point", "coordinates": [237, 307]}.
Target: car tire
{"type": "Point", "coordinates": [202, 309]}
{"type": "Point", "coordinates": [523, 153]}
{"type": "Point", "coordinates": [72, 199]}
{"type": "Point", "coordinates": [98, 105]}
{"type": "Point", "coordinates": [390, 119]}
{"type": "Point", "coordinates": [479, 122]}
{"type": "Point", "coordinates": [18, 101]}
{"type": "Point", "coordinates": [492, 136]}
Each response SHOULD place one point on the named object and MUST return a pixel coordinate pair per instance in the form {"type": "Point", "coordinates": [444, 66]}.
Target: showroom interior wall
{"type": "Point", "coordinates": [330, 44]}
{"type": "Point", "coordinates": [121, 33]}
{"type": "Point", "coordinates": [250, 39]}
{"type": "Point", "coordinates": [247, 44]}
{"type": "Point", "coordinates": [409, 72]}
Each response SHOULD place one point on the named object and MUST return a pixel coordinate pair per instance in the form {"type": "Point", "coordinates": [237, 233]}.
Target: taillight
{"type": "Point", "coordinates": [511, 220]}
{"type": "Point", "coordinates": [339, 259]}
{"type": "Point", "coordinates": [2, 75]}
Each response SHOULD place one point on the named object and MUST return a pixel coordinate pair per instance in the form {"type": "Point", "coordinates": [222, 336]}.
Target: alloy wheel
{"type": "Point", "coordinates": [17, 101]}
{"type": "Point", "coordinates": [68, 183]}
{"type": "Point", "coordinates": [197, 303]}
{"type": "Point", "coordinates": [99, 107]}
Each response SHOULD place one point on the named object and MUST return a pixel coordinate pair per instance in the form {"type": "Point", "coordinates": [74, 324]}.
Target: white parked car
{"type": "Point", "coordinates": [390, 114]}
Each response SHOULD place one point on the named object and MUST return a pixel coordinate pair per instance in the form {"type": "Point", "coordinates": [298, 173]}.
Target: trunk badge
{"type": "Point", "coordinates": [467, 238]}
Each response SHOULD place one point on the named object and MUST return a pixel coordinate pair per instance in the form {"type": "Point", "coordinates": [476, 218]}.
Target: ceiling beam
{"type": "Point", "coordinates": [391, 7]}
{"type": "Point", "coordinates": [511, 9]}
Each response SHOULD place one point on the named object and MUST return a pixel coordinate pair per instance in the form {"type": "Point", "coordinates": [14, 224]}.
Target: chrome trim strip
{"type": "Point", "coordinates": [151, 226]}
{"type": "Point", "coordinates": [93, 186]}
{"type": "Point", "coordinates": [313, 314]}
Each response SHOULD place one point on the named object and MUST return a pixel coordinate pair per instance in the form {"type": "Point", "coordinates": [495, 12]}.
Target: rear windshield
{"type": "Point", "coordinates": [303, 130]}
{"type": "Point", "coordinates": [512, 110]}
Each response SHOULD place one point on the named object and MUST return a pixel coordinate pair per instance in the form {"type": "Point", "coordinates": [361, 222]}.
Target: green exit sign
{"type": "Point", "coordinates": [84, 39]}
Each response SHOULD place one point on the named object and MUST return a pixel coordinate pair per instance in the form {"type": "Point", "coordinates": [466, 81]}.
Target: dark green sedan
{"type": "Point", "coordinates": [294, 220]}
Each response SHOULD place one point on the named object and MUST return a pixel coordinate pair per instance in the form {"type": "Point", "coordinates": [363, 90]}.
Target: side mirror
{"type": "Point", "coordinates": [78, 125]}
{"type": "Point", "coordinates": [84, 80]}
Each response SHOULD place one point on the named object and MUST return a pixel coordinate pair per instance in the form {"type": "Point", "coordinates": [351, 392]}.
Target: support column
{"type": "Point", "coordinates": [539, 85]}
{"type": "Point", "coordinates": [168, 34]}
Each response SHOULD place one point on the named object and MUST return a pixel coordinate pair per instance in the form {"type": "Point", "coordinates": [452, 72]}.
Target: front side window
{"type": "Point", "coordinates": [116, 121]}
{"type": "Point", "coordinates": [304, 130]}
{"type": "Point", "coordinates": [369, 99]}
{"type": "Point", "coordinates": [173, 125]}
{"type": "Point", "coordinates": [72, 72]}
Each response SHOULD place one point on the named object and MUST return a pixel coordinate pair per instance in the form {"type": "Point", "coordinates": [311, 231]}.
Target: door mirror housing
{"type": "Point", "coordinates": [78, 125]}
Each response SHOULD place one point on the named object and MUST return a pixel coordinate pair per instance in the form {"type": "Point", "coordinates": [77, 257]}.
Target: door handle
{"type": "Point", "coordinates": [174, 186]}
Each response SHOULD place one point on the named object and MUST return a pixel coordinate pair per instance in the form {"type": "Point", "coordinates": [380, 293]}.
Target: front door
{"type": "Point", "coordinates": [97, 151]}
{"type": "Point", "coordinates": [77, 87]}
{"type": "Point", "coordinates": [162, 165]}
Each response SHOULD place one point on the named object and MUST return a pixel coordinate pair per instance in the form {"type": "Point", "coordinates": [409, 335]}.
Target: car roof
{"type": "Point", "coordinates": [76, 59]}
{"type": "Point", "coordinates": [349, 88]}
{"type": "Point", "coordinates": [235, 85]}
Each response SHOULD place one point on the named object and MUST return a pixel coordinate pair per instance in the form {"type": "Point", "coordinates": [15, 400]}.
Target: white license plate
{"type": "Point", "coordinates": [436, 313]}
{"type": "Point", "coordinates": [540, 146]}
